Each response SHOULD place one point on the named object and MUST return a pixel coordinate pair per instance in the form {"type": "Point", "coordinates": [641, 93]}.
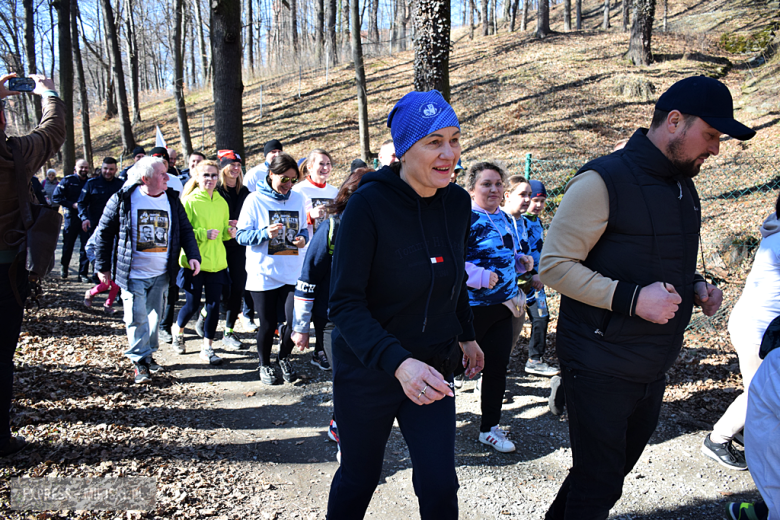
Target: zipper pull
{"type": "Point", "coordinates": [679, 186]}
{"type": "Point", "coordinates": [597, 331]}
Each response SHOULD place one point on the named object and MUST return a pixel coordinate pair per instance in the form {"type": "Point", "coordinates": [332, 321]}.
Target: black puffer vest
{"type": "Point", "coordinates": [652, 235]}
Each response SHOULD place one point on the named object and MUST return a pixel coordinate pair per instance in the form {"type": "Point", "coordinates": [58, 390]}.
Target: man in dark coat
{"type": "Point", "coordinates": [622, 252]}
{"type": "Point", "coordinates": [67, 194]}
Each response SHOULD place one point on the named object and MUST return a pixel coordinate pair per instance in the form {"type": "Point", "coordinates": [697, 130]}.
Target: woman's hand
{"type": "Point", "coordinates": [275, 229]}
{"type": "Point", "coordinates": [536, 282]}
{"type": "Point", "coordinates": [492, 280]}
{"type": "Point", "coordinates": [232, 223]}
{"type": "Point", "coordinates": [232, 231]}
{"type": "Point", "coordinates": [422, 383]}
{"type": "Point", "coordinates": [473, 358]}
{"type": "Point", "coordinates": [299, 242]}
{"type": "Point", "coordinates": [301, 340]}
{"type": "Point", "coordinates": [212, 234]}
{"type": "Point", "coordinates": [528, 262]}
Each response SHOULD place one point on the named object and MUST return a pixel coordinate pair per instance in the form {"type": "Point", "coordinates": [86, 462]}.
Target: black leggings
{"type": "Point", "coordinates": [236, 260]}
{"type": "Point", "coordinates": [319, 332]}
{"type": "Point", "coordinates": [266, 304]}
{"type": "Point", "coordinates": [192, 303]}
{"type": "Point", "coordinates": [493, 326]}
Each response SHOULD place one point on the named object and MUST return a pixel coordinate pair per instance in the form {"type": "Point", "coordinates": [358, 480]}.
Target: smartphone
{"type": "Point", "coordinates": [21, 84]}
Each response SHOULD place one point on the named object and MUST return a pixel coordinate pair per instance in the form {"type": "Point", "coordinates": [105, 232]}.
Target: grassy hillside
{"type": "Point", "coordinates": [514, 94]}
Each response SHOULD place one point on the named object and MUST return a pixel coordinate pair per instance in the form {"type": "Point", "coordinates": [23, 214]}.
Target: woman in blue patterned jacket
{"type": "Point", "coordinates": [493, 261]}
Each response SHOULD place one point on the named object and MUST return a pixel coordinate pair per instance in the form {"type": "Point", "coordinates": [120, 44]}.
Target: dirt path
{"type": "Point", "coordinates": [223, 445]}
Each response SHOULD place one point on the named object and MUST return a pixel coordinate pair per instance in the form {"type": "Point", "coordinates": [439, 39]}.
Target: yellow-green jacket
{"type": "Point", "coordinates": [207, 213]}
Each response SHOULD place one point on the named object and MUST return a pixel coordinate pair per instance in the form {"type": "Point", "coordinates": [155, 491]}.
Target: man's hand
{"type": "Point", "coordinates": [301, 340]}
{"type": "Point", "coordinates": [657, 303]}
{"type": "Point", "coordinates": [708, 297]}
{"type": "Point", "coordinates": [42, 84]}
{"type": "Point", "coordinates": [4, 92]}
{"type": "Point", "coordinates": [536, 282]}
{"type": "Point", "coordinates": [422, 383]}
{"type": "Point", "coordinates": [528, 262]}
{"type": "Point", "coordinates": [473, 358]}
{"type": "Point", "coordinates": [194, 266]}
{"type": "Point", "coordinates": [299, 242]}
{"type": "Point", "coordinates": [105, 277]}
{"type": "Point", "coordinates": [85, 225]}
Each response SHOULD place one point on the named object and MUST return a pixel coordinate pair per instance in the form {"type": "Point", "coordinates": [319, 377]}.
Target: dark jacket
{"type": "Point", "coordinates": [235, 202]}
{"type": "Point", "coordinates": [66, 194]}
{"type": "Point", "coordinates": [314, 283]}
{"type": "Point", "coordinates": [398, 284]}
{"type": "Point", "coordinates": [35, 148]}
{"type": "Point", "coordinates": [652, 235]}
{"type": "Point", "coordinates": [115, 233]}
{"type": "Point", "coordinates": [94, 197]}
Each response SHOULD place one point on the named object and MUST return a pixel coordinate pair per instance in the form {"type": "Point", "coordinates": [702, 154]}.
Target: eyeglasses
{"type": "Point", "coordinates": [285, 179]}
{"type": "Point", "coordinates": [210, 175]}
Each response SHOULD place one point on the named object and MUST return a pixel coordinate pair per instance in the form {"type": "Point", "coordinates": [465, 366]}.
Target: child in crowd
{"type": "Point", "coordinates": [536, 299]}
{"type": "Point", "coordinates": [111, 287]}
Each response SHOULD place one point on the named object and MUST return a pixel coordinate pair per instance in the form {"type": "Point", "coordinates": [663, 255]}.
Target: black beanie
{"type": "Point", "coordinates": [357, 163]}
{"type": "Point", "coordinates": [272, 145]}
{"type": "Point", "coordinates": [137, 150]}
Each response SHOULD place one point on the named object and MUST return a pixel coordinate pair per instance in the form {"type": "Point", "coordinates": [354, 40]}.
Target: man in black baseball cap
{"type": "Point", "coordinates": [622, 253]}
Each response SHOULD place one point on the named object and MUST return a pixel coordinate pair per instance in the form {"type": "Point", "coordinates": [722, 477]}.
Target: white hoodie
{"type": "Point", "coordinates": [759, 303]}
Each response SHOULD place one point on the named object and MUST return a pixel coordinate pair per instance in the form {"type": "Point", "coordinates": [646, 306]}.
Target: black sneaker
{"type": "Point", "coordinates": [287, 370]}
{"type": "Point", "coordinates": [267, 375]}
{"type": "Point", "coordinates": [164, 336]}
{"type": "Point", "coordinates": [63, 272]}
{"type": "Point", "coordinates": [142, 373]}
{"type": "Point", "coordinates": [13, 446]}
{"type": "Point", "coordinates": [84, 279]}
{"type": "Point", "coordinates": [199, 326]}
{"type": "Point", "coordinates": [153, 366]}
{"type": "Point", "coordinates": [319, 359]}
{"type": "Point", "coordinates": [557, 399]}
{"type": "Point", "coordinates": [231, 342]}
{"type": "Point", "coordinates": [724, 454]}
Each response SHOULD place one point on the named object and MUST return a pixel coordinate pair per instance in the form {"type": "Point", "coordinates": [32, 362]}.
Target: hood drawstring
{"type": "Point", "coordinates": [433, 273]}
{"type": "Point", "coordinates": [449, 243]}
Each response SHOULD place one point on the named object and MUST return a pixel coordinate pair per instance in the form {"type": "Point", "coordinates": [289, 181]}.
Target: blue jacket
{"type": "Point", "coordinates": [312, 291]}
{"type": "Point", "coordinates": [535, 241]}
{"type": "Point", "coordinates": [398, 284]}
{"type": "Point", "coordinates": [493, 243]}
{"type": "Point", "coordinates": [114, 234]}
{"type": "Point", "coordinates": [94, 197]}
{"type": "Point", "coordinates": [66, 194]}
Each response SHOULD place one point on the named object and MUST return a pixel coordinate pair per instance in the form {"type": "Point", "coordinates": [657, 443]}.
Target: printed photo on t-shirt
{"type": "Point", "coordinates": [315, 203]}
{"type": "Point", "coordinates": [152, 232]}
{"type": "Point", "coordinates": [282, 244]}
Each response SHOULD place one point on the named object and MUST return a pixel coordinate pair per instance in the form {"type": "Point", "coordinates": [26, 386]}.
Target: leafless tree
{"type": "Point", "coordinates": [543, 19]}
{"type": "Point", "coordinates": [227, 83]}
{"type": "Point", "coordinates": [640, 45]}
{"type": "Point", "coordinates": [432, 46]}
{"type": "Point", "coordinates": [360, 82]}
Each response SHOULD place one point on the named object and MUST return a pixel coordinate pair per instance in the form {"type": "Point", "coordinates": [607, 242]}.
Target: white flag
{"type": "Point", "coordinates": [159, 140]}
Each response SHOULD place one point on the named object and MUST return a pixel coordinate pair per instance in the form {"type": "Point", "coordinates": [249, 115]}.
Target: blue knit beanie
{"type": "Point", "coordinates": [537, 189]}
{"type": "Point", "coordinates": [416, 115]}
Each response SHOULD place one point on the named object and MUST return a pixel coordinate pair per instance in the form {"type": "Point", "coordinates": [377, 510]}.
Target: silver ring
{"type": "Point", "coordinates": [422, 393]}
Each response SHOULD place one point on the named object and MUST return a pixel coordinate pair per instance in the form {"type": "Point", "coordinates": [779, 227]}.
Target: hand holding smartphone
{"type": "Point", "coordinates": [21, 84]}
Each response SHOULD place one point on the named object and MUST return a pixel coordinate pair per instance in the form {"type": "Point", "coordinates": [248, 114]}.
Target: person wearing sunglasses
{"type": "Point", "coordinates": [209, 215]}
{"type": "Point", "coordinates": [273, 261]}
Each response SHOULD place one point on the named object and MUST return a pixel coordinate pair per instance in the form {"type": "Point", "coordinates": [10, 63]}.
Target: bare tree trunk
{"type": "Point", "coordinates": [250, 44]}
{"type": "Point", "coordinates": [472, 8]}
{"type": "Point", "coordinates": [373, 25]}
{"type": "Point", "coordinates": [513, 18]}
{"type": "Point", "coordinates": [640, 48]}
{"type": "Point", "coordinates": [605, 23]}
{"type": "Point", "coordinates": [82, 83]}
{"type": "Point", "coordinates": [66, 83]}
{"type": "Point", "coordinates": [626, 5]}
{"type": "Point", "coordinates": [178, 78]}
{"type": "Point", "coordinates": [193, 64]}
{"type": "Point", "coordinates": [360, 80]}
{"type": "Point", "coordinates": [543, 19]}
{"type": "Point", "coordinates": [432, 46]}
{"type": "Point", "coordinates": [567, 15]}
{"type": "Point", "coordinates": [204, 60]}
{"type": "Point", "coordinates": [507, 10]}
{"type": "Point", "coordinates": [485, 18]}
{"type": "Point", "coordinates": [494, 17]}
{"type": "Point", "coordinates": [126, 129]}
{"type": "Point", "coordinates": [578, 8]}
{"type": "Point", "coordinates": [524, 18]}
{"type": "Point", "coordinates": [29, 44]}
{"type": "Point", "coordinates": [294, 30]}
{"type": "Point", "coordinates": [227, 85]}
{"type": "Point", "coordinates": [331, 31]}
{"type": "Point", "coordinates": [132, 58]}
{"type": "Point", "coordinates": [319, 29]}
{"type": "Point", "coordinates": [666, 13]}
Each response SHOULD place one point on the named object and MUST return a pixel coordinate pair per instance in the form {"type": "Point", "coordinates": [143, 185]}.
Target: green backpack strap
{"type": "Point", "coordinates": [332, 227]}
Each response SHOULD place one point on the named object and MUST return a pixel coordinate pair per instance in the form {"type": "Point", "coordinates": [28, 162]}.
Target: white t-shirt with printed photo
{"type": "Point", "coordinates": [151, 226]}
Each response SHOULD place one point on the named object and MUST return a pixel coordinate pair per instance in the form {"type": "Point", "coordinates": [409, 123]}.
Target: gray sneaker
{"type": "Point", "coordinates": [178, 343]}
{"type": "Point", "coordinates": [231, 342]}
{"type": "Point", "coordinates": [207, 354]}
{"type": "Point", "coordinates": [540, 368]}
{"type": "Point", "coordinates": [164, 336]}
{"type": "Point", "coordinates": [153, 366]}
{"type": "Point", "coordinates": [287, 370]}
{"type": "Point", "coordinates": [267, 375]}
{"type": "Point", "coordinates": [199, 326]}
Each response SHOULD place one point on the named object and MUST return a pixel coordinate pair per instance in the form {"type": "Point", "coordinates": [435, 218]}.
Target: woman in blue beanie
{"type": "Point", "coordinates": [402, 315]}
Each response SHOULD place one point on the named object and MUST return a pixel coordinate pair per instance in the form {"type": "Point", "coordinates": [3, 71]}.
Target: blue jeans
{"type": "Point", "coordinates": [143, 303]}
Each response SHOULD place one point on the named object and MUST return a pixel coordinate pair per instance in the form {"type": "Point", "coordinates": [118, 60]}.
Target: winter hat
{"type": "Point", "coordinates": [357, 163]}
{"type": "Point", "coordinates": [537, 189]}
{"type": "Point", "coordinates": [159, 151]}
{"type": "Point", "coordinates": [416, 115]}
{"type": "Point", "coordinates": [137, 150]}
{"type": "Point", "coordinates": [227, 157]}
{"type": "Point", "coordinates": [272, 145]}
{"type": "Point", "coordinates": [707, 99]}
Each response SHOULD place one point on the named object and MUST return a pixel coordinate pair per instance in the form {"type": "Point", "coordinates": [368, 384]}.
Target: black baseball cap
{"type": "Point", "coordinates": [159, 151]}
{"type": "Point", "coordinates": [707, 99]}
{"type": "Point", "coordinates": [357, 163]}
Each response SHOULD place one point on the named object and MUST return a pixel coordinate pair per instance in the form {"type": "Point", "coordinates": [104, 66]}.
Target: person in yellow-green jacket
{"type": "Point", "coordinates": [209, 215]}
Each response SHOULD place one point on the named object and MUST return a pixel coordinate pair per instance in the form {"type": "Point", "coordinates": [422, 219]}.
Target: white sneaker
{"type": "Point", "coordinates": [497, 439]}
{"type": "Point", "coordinates": [247, 324]}
{"type": "Point", "coordinates": [208, 355]}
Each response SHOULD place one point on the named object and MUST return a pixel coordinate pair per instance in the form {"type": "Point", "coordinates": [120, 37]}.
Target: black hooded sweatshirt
{"type": "Point", "coordinates": [398, 284]}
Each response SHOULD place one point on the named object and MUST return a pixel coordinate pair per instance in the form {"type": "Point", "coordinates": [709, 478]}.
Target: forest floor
{"type": "Point", "coordinates": [222, 445]}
